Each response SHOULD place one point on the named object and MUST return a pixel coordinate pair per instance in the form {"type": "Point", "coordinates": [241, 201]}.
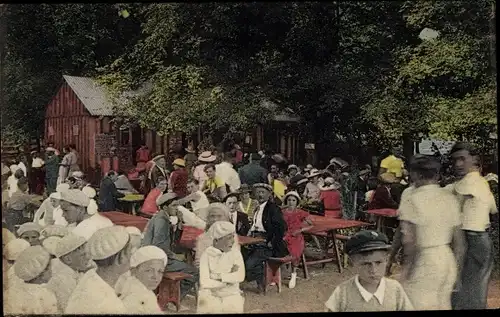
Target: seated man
{"type": "Point", "coordinates": [19, 206]}
{"type": "Point", "coordinates": [268, 223]}
{"type": "Point", "coordinates": [108, 194]}
{"type": "Point", "coordinates": [158, 233]}
{"type": "Point", "coordinates": [238, 218]}
{"type": "Point", "coordinates": [196, 197]}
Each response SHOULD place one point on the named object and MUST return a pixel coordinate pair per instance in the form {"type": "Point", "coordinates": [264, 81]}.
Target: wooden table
{"type": "Point", "coordinates": [382, 214]}
{"type": "Point", "coordinates": [327, 226]}
{"type": "Point", "coordinates": [122, 219]}
{"type": "Point", "coordinates": [132, 200]}
{"type": "Point", "coordinates": [190, 234]}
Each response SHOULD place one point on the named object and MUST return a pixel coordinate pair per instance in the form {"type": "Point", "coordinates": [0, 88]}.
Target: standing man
{"type": "Point", "coordinates": [253, 173]}
{"type": "Point", "coordinates": [108, 193]}
{"type": "Point", "coordinates": [190, 158]}
{"type": "Point", "coordinates": [142, 157]}
{"type": "Point", "coordinates": [178, 178]}
{"type": "Point", "coordinates": [51, 169]}
{"type": "Point", "coordinates": [269, 224]}
{"type": "Point", "coordinates": [227, 173]}
{"type": "Point", "coordinates": [477, 203]}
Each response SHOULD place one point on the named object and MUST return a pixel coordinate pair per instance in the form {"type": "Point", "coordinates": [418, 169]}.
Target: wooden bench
{"type": "Point", "coordinates": [272, 270]}
{"type": "Point", "coordinates": [169, 290]}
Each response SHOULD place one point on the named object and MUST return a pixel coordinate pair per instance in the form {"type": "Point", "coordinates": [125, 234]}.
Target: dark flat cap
{"type": "Point", "coordinates": [367, 240]}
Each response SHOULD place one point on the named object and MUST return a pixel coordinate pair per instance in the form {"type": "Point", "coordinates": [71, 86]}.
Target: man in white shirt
{"type": "Point", "coordinates": [227, 173]}
{"type": "Point", "coordinates": [477, 203]}
{"type": "Point", "coordinates": [268, 223]}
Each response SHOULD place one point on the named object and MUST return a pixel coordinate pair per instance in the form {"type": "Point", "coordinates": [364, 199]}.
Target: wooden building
{"type": "Point", "coordinates": [80, 114]}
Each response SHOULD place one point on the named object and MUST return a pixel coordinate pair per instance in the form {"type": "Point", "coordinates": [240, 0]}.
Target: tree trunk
{"type": "Point", "coordinates": [3, 38]}
{"type": "Point", "coordinates": [408, 146]}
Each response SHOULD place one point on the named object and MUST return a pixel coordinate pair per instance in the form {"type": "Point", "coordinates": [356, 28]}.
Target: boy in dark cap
{"type": "Point", "coordinates": [369, 290]}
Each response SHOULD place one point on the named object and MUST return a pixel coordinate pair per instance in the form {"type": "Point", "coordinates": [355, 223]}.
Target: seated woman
{"type": "Point", "coordinates": [19, 206]}
{"type": "Point", "coordinates": [150, 206]}
{"type": "Point", "coordinates": [382, 198]}
{"type": "Point", "coordinates": [136, 290]}
{"type": "Point", "coordinates": [216, 212]}
{"type": "Point", "coordinates": [221, 271]}
{"type": "Point", "coordinates": [295, 219]}
{"type": "Point", "coordinates": [330, 196]}
{"type": "Point", "coordinates": [33, 267]}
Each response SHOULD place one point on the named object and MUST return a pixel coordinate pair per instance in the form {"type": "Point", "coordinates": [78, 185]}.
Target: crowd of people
{"type": "Point", "coordinates": [66, 257]}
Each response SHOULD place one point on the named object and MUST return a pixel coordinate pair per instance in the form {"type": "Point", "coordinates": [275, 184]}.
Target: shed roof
{"type": "Point", "coordinates": [91, 94]}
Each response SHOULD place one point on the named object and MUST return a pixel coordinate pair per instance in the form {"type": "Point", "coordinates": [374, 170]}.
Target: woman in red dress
{"type": "Point", "coordinates": [295, 219]}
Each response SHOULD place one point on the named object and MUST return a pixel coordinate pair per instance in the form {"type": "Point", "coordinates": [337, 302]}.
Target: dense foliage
{"type": "Point", "coordinates": [351, 75]}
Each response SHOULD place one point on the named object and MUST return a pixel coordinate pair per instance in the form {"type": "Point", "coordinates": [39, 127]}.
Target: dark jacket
{"type": "Point", "coordinates": [108, 195]}
{"type": "Point", "coordinates": [158, 232]}
{"type": "Point", "coordinates": [253, 173]}
{"type": "Point", "coordinates": [382, 198]}
{"type": "Point", "coordinates": [242, 224]}
{"type": "Point", "coordinates": [275, 226]}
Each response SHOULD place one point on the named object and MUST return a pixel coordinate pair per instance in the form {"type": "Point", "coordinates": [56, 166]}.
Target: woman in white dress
{"type": "Point", "coordinates": [136, 289]}
{"type": "Point", "coordinates": [430, 223]}
{"type": "Point", "coordinates": [221, 271]}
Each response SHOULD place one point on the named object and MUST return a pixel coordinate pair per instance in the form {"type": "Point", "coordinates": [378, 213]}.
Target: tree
{"type": "Point", "coordinates": [439, 85]}
{"type": "Point", "coordinates": [45, 41]}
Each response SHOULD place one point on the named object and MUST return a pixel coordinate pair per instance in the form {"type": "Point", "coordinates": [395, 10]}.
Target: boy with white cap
{"type": "Point", "coordinates": [369, 290]}
{"type": "Point", "coordinates": [30, 232]}
{"type": "Point", "coordinates": [147, 266]}
{"type": "Point", "coordinates": [71, 263]}
{"type": "Point", "coordinates": [94, 294]}
{"type": "Point", "coordinates": [33, 267]}
{"type": "Point", "coordinates": [74, 204]}
{"type": "Point", "coordinates": [10, 254]}
{"type": "Point", "coordinates": [50, 212]}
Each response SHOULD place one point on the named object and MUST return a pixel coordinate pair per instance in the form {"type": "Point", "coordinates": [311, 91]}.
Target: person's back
{"type": "Point", "coordinates": [157, 233]}
{"type": "Point", "coordinates": [253, 173]}
{"type": "Point", "coordinates": [108, 193]}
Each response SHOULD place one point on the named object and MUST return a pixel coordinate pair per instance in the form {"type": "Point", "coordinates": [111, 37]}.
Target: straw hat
{"type": "Point", "coordinates": [292, 193]}
{"type": "Point", "coordinates": [179, 162]}
{"type": "Point", "coordinates": [314, 172]}
{"type": "Point", "coordinates": [156, 158]}
{"type": "Point", "coordinates": [190, 149]}
{"type": "Point", "coordinates": [389, 178]}
{"type": "Point", "coordinates": [330, 184]}
{"type": "Point", "coordinates": [292, 166]}
{"type": "Point", "coordinates": [206, 157]}
{"type": "Point", "coordinates": [244, 188]}
{"type": "Point", "coordinates": [263, 185]}
{"type": "Point", "coordinates": [308, 168]}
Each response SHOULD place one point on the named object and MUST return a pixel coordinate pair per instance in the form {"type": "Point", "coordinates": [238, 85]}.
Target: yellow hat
{"type": "Point", "coordinates": [179, 162]}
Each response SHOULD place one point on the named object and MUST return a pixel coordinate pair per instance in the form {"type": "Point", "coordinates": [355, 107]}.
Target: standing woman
{"type": "Point", "coordinates": [37, 174]}
{"type": "Point", "coordinates": [295, 219]}
{"type": "Point", "coordinates": [51, 169]}
{"type": "Point", "coordinates": [430, 227]}
{"type": "Point", "coordinates": [64, 165]}
{"type": "Point", "coordinates": [221, 271]}
{"type": "Point", "coordinates": [477, 202]}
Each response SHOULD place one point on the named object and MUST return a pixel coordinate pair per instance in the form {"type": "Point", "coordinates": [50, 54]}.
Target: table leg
{"type": "Point", "coordinates": [332, 233]}
{"type": "Point", "coordinates": [133, 209]}
{"type": "Point", "coordinates": [379, 223]}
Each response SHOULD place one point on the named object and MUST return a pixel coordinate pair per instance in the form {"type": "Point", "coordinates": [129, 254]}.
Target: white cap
{"type": "Point", "coordinates": [69, 243]}
{"type": "Point", "coordinates": [54, 230]}
{"type": "Point", "coordinates": [62, 187]}
{"type": "Point", "coordinates": [89, 191]}
{"type": "Point", "coordinates": [28, 226]}
{"type": "Point", "coordinates": [107, 242]}
{"type": "Point", "coordinates": [133, 231]}
{"type": "Point", "coordinates": [50, 244]}
{"type": "Point", "coordinates": [221, 229]}
{"type": "Point", "coordinates": [31, 263]}
{"type": "Point", "coordinates": [75, 197]}
{"type": "Point", "coordinates": [14, 248]}
{"type": "Point", "coordinates": [7, 236]}
{"type": "Point", "coordinates": [148, 253]}
{"type": "Point", "coordinates": [56, 195]}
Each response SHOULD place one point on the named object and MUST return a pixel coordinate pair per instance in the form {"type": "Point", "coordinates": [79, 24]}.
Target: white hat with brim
{"type": "Point", "coordinates": [292, 166]}
{"type": "Point", "coordinates": [148, 253]}
{"type": "Point", "coordinates": [156, 158]}
{"type": "Point", "coordinates": [68, 244]}
{"type": "Point", "coordinates": [206, 157]}
{"type": "Point", "coordinates": [308, 168]}
{"type": "Point", "coordinates": [263, 185]}
{"type": "Point", "coordinates": [190, 150]}
{"type": "Point", "coordinates": [107, 242]}
{"type": "Point", "coordinates": [77, 174]}
{"type": "Point", "coordinates": [54, 230]}
{"type": "Point", "coordinates": [75, 197]}
{"type": "Point", "coordinates": [14, 248]}
{"type": "Point", "coordinates": [50, 149]}
{"type": "Point", "coordinates": [292, 193]}
{"type": "Point", "coordinates": [31, 263]}
{"type": "Point", "coordinates": [314, 172]}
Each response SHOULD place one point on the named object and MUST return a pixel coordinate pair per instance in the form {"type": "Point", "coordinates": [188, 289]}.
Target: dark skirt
{"type": "Point", "coordinates": [37, 181]}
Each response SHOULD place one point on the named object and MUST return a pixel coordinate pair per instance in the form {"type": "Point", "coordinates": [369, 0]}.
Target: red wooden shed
{"type": "Point", "coordinates": [80, 113]}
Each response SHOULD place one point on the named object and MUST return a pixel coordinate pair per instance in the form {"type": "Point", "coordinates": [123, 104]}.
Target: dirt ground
{"type": "Point", "coordinates": [309, 295]}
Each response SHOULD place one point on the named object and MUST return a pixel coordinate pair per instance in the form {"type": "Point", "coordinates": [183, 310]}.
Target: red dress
{"type": "Point", "coordinates": [296, 244]}
{"type": "Point", "coordinates": [333, 204]}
